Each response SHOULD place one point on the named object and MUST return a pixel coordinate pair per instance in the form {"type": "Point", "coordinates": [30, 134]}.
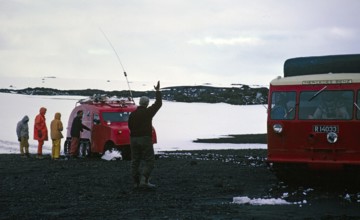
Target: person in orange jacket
{"type": "Point", "coordinates": [56, 127]}
{"type": "Point", "coordinates": [40, 131]}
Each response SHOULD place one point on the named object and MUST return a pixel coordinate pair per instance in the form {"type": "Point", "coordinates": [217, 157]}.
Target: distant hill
{"type": "Point", "coordinates": [239, 95]}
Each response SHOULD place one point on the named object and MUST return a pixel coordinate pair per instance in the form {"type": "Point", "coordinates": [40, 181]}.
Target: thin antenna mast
{"type": "Point", "coordinates": [118, 60]}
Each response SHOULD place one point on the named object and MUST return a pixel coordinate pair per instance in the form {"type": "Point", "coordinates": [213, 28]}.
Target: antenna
{"type": "Point", "coordinates": [125, 74]}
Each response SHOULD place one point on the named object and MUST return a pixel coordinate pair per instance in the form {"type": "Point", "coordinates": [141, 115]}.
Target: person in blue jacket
{"type": "Point", "coordinates": [22, 131]}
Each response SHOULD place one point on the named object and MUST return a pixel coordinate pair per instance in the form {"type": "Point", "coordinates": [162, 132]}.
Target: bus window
{"type": "Point", "coordinates": [116, 116]}
{"type": "Point", "coordinates": [283, 105]}
{"type": "Point", "coordinates": [96, 119]}
{"type": "Point", "coordinates": [326, 105]}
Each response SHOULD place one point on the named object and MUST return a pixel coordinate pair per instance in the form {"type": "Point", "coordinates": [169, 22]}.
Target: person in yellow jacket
{"type": "Point", "coordinates": [56, 128]}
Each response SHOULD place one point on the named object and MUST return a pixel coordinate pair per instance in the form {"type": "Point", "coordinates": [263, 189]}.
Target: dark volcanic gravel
{"type": "Point", "coordinates": [191, 185]}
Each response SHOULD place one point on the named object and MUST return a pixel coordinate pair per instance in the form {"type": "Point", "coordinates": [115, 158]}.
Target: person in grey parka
{"type": "Point", "coordinates": [22, 131]}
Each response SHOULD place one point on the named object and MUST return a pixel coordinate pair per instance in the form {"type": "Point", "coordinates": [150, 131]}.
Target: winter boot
{"type": "Point", "coordinates": [144, 183]}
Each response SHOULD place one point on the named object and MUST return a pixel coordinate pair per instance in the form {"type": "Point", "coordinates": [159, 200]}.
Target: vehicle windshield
{"type": "Point", "coordinates": [328, 104]}
{"type": "Point", "coordinates": [116, 116]}
{"type": "Point", "coordinates": [283, 105]}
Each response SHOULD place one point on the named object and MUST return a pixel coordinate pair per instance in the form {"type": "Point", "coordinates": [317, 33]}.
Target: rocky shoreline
{"type": "Point", "coordinates": [236, 95]}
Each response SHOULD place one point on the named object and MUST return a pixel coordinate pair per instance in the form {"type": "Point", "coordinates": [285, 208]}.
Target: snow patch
{"type": "Point", "coordinates": [113, 155]}
{"type": "Point", "coordinates": [272, 201]}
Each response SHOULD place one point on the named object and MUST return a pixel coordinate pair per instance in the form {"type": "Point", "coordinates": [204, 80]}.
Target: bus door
{"type": "Point", "coordinates": [96, 142]}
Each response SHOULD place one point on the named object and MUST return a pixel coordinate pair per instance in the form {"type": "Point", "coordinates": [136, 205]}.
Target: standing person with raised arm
{"type": "Point", "coordinates": [142, 149]}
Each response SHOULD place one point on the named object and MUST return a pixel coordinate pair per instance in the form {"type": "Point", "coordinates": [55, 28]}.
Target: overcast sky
{"type": "Point", "coordinates": [182, 41]}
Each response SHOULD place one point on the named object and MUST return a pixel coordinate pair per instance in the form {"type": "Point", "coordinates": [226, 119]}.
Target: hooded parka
{"type": "Point", "coordinates": [22, 128]}
{"type": "Point", "coordinates": [22, 132]}
{"type": "Point", "coordinates": [56, 127]}
{"type": "Point", "coordinates": [40, 129]}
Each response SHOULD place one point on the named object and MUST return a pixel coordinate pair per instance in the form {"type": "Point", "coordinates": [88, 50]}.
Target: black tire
{"type": "Point", "coordinates": [88, 149]}
{"type": "Point", "coordinates": [67, 144]}
{"type": "Point", "coordinates": [109, 146]}
{"type": "Point", "coordinates": [85, 148]}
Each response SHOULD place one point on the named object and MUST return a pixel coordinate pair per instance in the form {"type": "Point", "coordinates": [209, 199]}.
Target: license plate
{"type": "Point", "coordinates": [325, 128]}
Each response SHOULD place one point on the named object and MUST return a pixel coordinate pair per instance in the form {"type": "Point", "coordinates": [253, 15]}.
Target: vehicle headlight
{"type": "Point", "coordinates": [277, 128]}
{"type": "Point", "coordinates": [332, 137]}
{"type": "Point", "coordinates": [119, 131]}
{"type": "Point", "coordinates": [108, 123]}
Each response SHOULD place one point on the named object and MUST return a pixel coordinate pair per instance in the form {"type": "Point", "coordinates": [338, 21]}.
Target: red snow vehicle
{"type": "Point", "coordinates": [108, 120]}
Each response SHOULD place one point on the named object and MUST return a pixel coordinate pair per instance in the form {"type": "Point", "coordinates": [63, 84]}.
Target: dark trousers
{"type": "Point", "coordinates": [142, 150]}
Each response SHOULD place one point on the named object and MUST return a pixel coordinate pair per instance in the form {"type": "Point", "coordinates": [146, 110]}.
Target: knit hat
{"type": "Point", "coordinates": [144, 101]}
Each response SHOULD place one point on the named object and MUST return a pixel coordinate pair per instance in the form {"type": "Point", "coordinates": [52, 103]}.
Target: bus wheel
{"type": "Point", "coordinates": [67, 144]}
{"type": "Point", "coordinates": [126, 153]}
{"type": "Point", "coordinates": [87, 149]}
{"type": "Point", "coordinates": [109, 146]}
{"type": "Point", "coordinates": [84, 148]}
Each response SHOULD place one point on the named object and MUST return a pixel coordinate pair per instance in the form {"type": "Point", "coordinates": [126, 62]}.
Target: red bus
{"type": "Point", "coordinates": [314, 121]}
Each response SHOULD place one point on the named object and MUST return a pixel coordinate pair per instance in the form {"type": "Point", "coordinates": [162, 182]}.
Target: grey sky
{"type": "Point", "coordinates": [182, 41]}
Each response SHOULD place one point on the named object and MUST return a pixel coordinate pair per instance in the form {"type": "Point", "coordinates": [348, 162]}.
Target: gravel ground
{"type": "Point", "coordinates": [191, 185]}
